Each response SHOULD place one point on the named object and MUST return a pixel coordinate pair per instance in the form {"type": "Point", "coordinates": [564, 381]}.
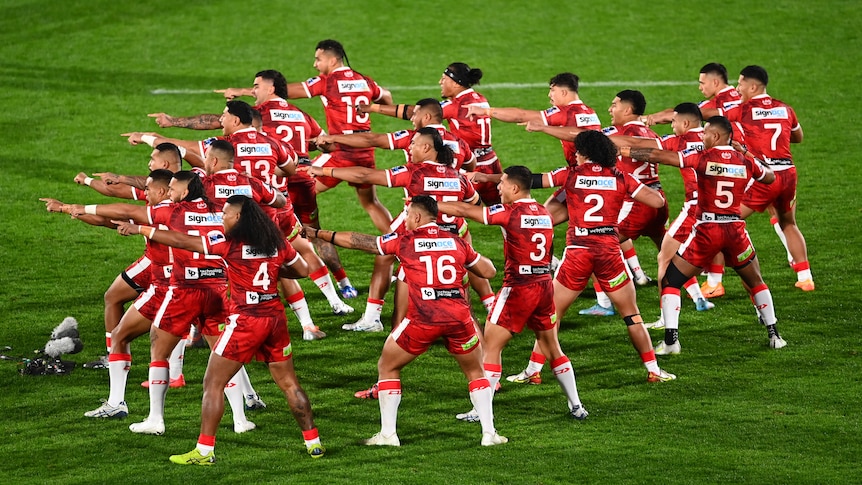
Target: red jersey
{"type": "Point", "coordinates": [284, 121]}
{"type": "Point", "coordinates": [435, 180]}
{"type": "Point", "coordinates": [340, 91]}
{"type": "Point", "coordinates": [690, 140]}
{"type": "Point", "coordinates": [253, 275]}
{"type": "Point", "coordinates": [723, 100]}
{"type": "Point", "coordinates": [575, 114]}
{"type": "Point", "coordinates": [594, 196]}
{"type": "Point", "coordinates": [528, 232]}
{"type": "Point", "coordinates": [722, 177]}
{"type": "Point", "coordinates": [476, 132]}
{"type": "Point", "coordinates": [461, 151]}
{"type": "Point", "coordinates": [221, 185]}
{"type": "Point", "coordinates": [194, 218]}
{"type": "Point", "coordinates": [767, 123]}
{"type": "Point", "coordinates": [435, 263]}
{"type": "Point", "coordinates": [645, 172]}
{"type": "Point", "coordinates": [161, 256]}
{"type": "Point", "coordinates": [257, 155]}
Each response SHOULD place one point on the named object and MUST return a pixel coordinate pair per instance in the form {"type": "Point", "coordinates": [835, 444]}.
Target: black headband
{"type": "Point", "coordinates": [455, 77]}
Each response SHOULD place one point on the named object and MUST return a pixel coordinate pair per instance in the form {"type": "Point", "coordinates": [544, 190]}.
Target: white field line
{"type": "Point", "coordinates": [481, 87]}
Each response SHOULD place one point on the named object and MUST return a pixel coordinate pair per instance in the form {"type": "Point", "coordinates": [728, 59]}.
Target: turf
{"type": "Point", "coordinates": [75, 75]}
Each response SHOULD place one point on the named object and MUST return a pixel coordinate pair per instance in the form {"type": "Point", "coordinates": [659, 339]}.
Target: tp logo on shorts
{"type": "Point", "coordinates": [252, 298]}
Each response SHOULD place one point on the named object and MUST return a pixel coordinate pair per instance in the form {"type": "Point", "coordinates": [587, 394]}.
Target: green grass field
{"type": "Point", "coordinates": [74, 75]}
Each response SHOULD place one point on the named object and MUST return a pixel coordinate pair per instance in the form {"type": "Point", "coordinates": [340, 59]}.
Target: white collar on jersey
{"type": "Point", "coordinates": [228, 170]}
{"type": "Point", "coordinates": [244, 130]}
{"type": "Point", "coordinates": [465, 92]}
{"type": "Point", "coordinates": [526, 200]}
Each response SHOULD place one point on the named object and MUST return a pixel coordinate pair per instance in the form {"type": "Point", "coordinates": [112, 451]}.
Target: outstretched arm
{"type": "Point", "coordinates": [188, 148]}
{"type": "Point", "coordinates": [507, 115]}
{"type": "Point", "coordinates": [355, 140]}
{"type": "Point", "coordinates": [463, 209]}
{"type": "Point", "coordinates": [565, 133]}
{"type": "Point", "coordinates": [652, 155]}
{"type": "Point", "coordinates": [231, 93]}
{"type": "Point", "coordinates": [110, 184]}
{"type": "Point", "coordinates": [198, 122]}
{"type": "Point", "coordinates": [357, 175]}
{"type": "Point", "coordinates": [403, 111]}
{"type": "Point", "coordinates": [345, 239]}
{"type": "Point", "coordinates": [54, 205]}
{"type": "Point", "coordinates": [170, 238]}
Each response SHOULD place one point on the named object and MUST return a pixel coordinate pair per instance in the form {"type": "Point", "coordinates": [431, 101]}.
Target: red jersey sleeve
{"type": "Point", "coordinates": [314, 86]}
{"type": "Point", "coordinates": [496, 215]}
{"type": "Point", "coordinates": [398, 176]}
{"type": "Point", "coordinates": [388, 243]}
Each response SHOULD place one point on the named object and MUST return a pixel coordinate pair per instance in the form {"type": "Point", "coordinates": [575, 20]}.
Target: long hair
{"type": "Point", "coordinates": [597, 147]}
{"type": "Point", "coordinates": [444, 153]}
{"type": "Point", "coordinates": [254, 227]}
{"type": "Point", "coordinates": [195, 187]}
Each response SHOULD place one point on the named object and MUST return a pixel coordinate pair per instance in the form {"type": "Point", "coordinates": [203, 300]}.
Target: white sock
{"type": "Point", "coordinates": [323, 281]}
{"type": "Point", "coordinates": [693, 289]}
{"type": "Point", "coordinates": [762, 299]}
{"type": "Point", "coordinates": [299, 306]}
{"type": "Point", "coordinates": [536, 363]}
{"type": "Point", "coordinates": [176, 361]}
{"type": "Point", "coordinates": [244, 381]}
{"type": "Point", "coordinates": [236, 398]}
{"type": "Point", "coordinates": [603, 300]}
{"type": "Point", "coordinates": [488, 302]}
{"type": "Point", "coordinates": [565, 374]}
{"type": "Point", "coordinates": [373, 309]}
{"type": "Point", "coordinates": [118, 371]}
{"type": "Point", "coordinates": [780, 233]}
{"type": "Point", "coordinates": [493, 373]}
{"type": "Point", "coordinates": [670, 303]}
{"type": "Point", "coordinates": [159, 375]}
{"type": "Point", "coordinates": [482, 395]}
{"type": "Point", "coordinates": [389, 395]}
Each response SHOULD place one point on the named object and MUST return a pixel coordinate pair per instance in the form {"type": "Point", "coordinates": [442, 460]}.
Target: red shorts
{"type": "Point", "coordinates": [416, 338]}
{"type": "Point", "coordinates": [304, 198]}
{"type": "Point", "coordinates": [681, 226]}
{"type": "Point", "coordinates": [530, 305]}
{"type": "Point", "coordinates": [781, 193]}
{"type": "Point", "coordinates": [184, 306]}
{"type": "Point", "coordinates": [637, 219]}
{"type": "Point", "coordinates": [710, 238]}
{"type": "Point", "coordinates": [344, 158]}
{"type": "Point", "coordinates": [605, 260]}
{"type": "Point", "coordinates": [289, 224]}
{"type": "Point", "coordinates": [149, 302]}
{"type": "Point", "coordinates": [138, 274]}
{"type": "Point", "coordinates": [487, 162]}
{"type": "Point", "coordinates": [248, 336]}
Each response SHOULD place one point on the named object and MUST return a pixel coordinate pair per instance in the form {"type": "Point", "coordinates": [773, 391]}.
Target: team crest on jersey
{"type": "Point", "coordinates": [611, 130]}
{"type": "Point", "coordinates": [254, 149]}
{"type": "Point", "coordinates": [400, 134]}
{"type": "Point", "coordinates": [596, 183]}
{"type": "Point", "coordinates": [552, 111]}
{"type": "Point", "coordinates": [716, 169]}
{"type": "Point", "coordinates": [441, 244]}
{"type": "Point", "coordinates": [536, 222]}
{"type": "Point", "coordinates": [776, 113]}
{"type": "Point", "coordinates": [215, 237]}
{"type": "Point", "coordinates": [290, 115]}
{"type": "Point", "coordinates": [442, 184]}
{"type": "Point", "coordinates": [588, 119]}
{"type": "Point", "coordinates": [353, 86]}
{"type": "Point", "coordinates": [398, 169]}
{"type": "Point", "coordinates": [441, 169]}
{"type": "Point", "coordinates": [251, 252]}
{"type": "Point", "coordinates": [225, 191]}
{"type": "Point", "coordinates": [312, 81]}
{"type": "Point", "coordinates": [202, 219]}
{"type": "Point", "coordinates": [496, 208]}
{"type": "Point", "coordinates": [388, 237]}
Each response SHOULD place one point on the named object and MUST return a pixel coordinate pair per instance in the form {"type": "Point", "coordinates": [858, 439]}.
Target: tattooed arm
{"type": "Point", "coordinates": [345, 239]}
{"type": "Point", "coordinates": [199, 122]}
{"type": "Point", "coordinates": [653, 155]}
